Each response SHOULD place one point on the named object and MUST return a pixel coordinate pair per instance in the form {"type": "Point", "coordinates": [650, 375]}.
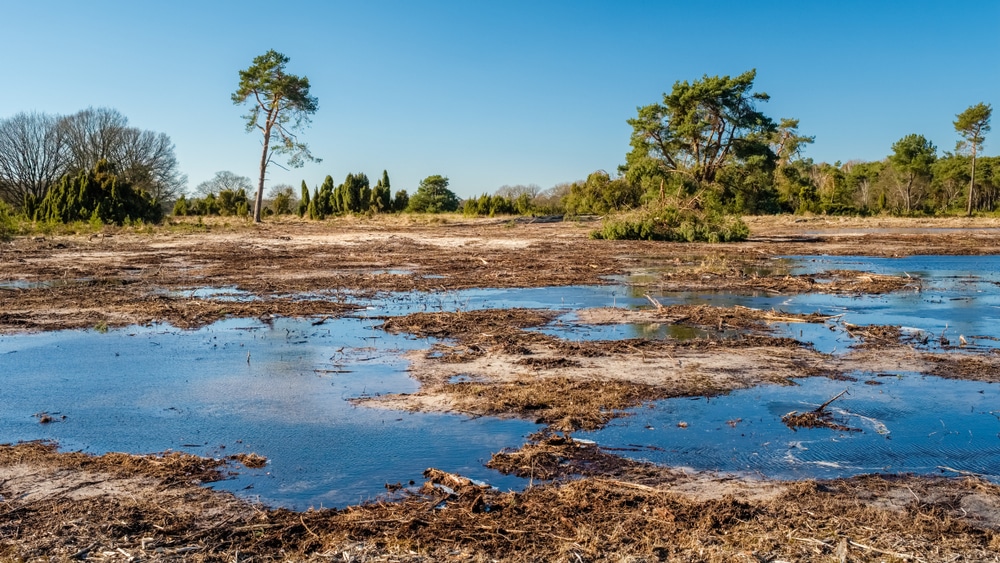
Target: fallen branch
{"type": "Point", "coordinates": [824, 405]}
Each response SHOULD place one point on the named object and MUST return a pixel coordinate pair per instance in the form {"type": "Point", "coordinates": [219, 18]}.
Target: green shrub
{"type": "Point", "coordinates": [8, 223]}
{"type": "Point", "coordinates": [668, 223]}
{"type": "Point", "coordinates": [96, 195]}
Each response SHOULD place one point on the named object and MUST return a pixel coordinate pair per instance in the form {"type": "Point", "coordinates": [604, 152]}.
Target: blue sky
{"type": "Point", "coordinates": [494, 93]}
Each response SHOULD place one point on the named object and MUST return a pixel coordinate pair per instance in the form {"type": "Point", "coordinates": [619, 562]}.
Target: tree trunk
{"type": "Point", "coordinates": [259, 200]}
{"type": "Point", "coordinates": [972, 182]}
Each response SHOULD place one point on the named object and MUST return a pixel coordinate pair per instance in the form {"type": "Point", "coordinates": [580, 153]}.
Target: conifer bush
{"type": "Point", "coordinates": [93, 195]}
{"type": "Point", "coordinates": [670, 223]}
{"type": "Point", "coordinates": [8, 223]}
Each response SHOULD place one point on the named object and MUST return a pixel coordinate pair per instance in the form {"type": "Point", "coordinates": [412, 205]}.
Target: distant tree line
{"type": "Point", "coordinates": [40, 152]}
{"type": "Point", "coordinates": [708, 147]}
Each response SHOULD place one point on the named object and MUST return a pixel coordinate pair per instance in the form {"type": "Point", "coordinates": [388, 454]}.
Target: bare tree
{"type": "Point", "coordinates": [224, 180]}
{"type": "Point", "coordinates": [32, 156]}
{"type": "Point", "coordinates": [144, 158]}
{"type": "Point", "coordinates": [513, 192]}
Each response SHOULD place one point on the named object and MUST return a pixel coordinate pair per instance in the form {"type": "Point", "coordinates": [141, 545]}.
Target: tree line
{"type": "Point", "coordinates": [38, 151]}
{"type": "Point", "coordinates": [709, 145]}
{"type": "Point", "coordinates": [704, 153]}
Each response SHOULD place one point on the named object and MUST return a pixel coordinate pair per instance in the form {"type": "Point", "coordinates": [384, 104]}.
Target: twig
{"type": "Point", "coordinates": [811, 540]}
{"type": "Point", "coordinates": [959, 471]}
{"type": "Point", "coordinates": [659, 306]}
{"type": "Point", "coordinates": [892, 553]}
{"type": "Point", "coordinates": [628, 485]}
{"type": "Point", "coordinates": [824, 405]}
{"type": "Point", "coordinates": [306, 526]}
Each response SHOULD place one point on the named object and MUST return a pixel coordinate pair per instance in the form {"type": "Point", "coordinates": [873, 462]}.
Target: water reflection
{"type": "Point", "coordinates": [908, 423]}
{"type": "Point", "coordinates": [281, 389]}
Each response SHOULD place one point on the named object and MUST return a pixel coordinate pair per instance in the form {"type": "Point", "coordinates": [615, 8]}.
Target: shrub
{"type": "Point", "coordinates": [669, 223]}
{"type": "Point", "coordinates": [8, 223]}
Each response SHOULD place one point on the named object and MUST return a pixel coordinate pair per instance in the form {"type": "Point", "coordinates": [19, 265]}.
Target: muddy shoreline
{"type": "Point", "coordinates": [587, 504]}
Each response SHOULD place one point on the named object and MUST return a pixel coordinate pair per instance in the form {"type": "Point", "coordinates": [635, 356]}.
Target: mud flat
{"type": "Point", "coordinates": [572, 370]}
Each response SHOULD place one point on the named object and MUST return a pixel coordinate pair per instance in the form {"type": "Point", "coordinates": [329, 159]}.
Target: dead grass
{"type": "Point", "coordinates": [160, 517]}
{"type": "Point", "coordinates": [560, 402]}
{"type": "Point", "coordinates": [981, 367]}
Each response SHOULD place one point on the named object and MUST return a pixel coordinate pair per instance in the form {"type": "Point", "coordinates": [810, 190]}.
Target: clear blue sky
{"type": "Point", "coordinates": [504, 92]}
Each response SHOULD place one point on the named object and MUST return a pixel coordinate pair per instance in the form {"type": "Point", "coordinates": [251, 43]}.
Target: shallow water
{"type": "Point", "coordinates": [906, 423]}
{"type": "Point", "coordinates": [151, 389]}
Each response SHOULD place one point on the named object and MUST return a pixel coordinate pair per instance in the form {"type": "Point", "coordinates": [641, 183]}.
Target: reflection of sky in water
{"type": "Point", "coordinates": [909, 423]}
{"type": "Point", "coordinates": [148, 390]}
{"type": "Point", "coordinates": [152, 389]}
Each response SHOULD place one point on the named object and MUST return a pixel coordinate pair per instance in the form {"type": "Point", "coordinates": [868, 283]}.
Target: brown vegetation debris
{"type": "Point", "coordinates": [250, 460]}
{"type": "Point", "coordinates": [547, 363]}
{"type": "Point", "coordinates": [590, 519]}
{"type": "Point", "coordinates": [552, 456]}
{"type": "Point", "coordinates": [84, 305]}
{"type": "Point", "coordinates": [561, 402]}
{"type": "Point", "coordinates": [734, 278]}
{"type": "Point", "coordinates": [708, 316]}
{"type": "Point", "coordinates": [468, 325]}
{"type": "Point", "coordinates": [163, 465]}
{"type": "Point", "coordinates": [813, 419]}
{"type": "Point", "coordinates": [816, 418]}
{"type": "Point", "coordinates": [983, 367]}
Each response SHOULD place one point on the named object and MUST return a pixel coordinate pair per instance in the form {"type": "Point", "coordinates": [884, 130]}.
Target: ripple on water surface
{"type": "Point", "coordinates": [909, 423]}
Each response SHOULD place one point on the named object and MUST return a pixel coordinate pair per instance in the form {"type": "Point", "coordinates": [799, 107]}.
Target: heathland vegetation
{"type": "Point", "coordinates": [700, 158]}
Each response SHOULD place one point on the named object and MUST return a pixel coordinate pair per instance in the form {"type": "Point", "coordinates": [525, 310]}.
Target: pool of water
{"type": "Point", "coordinates": [904, 423]}
{"type": "Point", "coordinates": [280, 390]}
{"type": "Point", "coordinates": [283, 389]}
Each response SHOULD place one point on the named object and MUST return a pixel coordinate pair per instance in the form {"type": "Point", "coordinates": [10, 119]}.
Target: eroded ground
{"type": "Point", "coordinates": [587, 505]}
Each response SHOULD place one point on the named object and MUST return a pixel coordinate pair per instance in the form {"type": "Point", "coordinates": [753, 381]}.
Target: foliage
{"type": "Point", "coordinates": [8, 223]}
{"type": "Point", "coordinates": [224, 180]}
{"type": "Point", "coordinates": [911, 160]}
{"type": "Point", "coordinates": [433, 196]}
{"type": "Point", "coordinates": [227, 203]}
{"type": "Point", "coordinates": [400, 201]}
{"type": "Point", "coordinates": [304, 200]}
{"type": "Point", "coordinates": [488, 206]}
{"type": "Point", "coordinates": [697, 129]}
{"type": "Point", "coordinates": [37, 150]}
{"type": "Point", "coordinates": [282, 200]}
{"type": "Point", "coordinates": [95, 195]}
{"type": "Point", "coordinates": [669, 222]}
{"type": "Point", "coordinates": [280, 104]}
{"type": "Point", "coordinates": [601, 194]}
{"type": "Point", "coordinates": [973, 124]}
{"type": "Point", "coordinates": [143, 159]}
{"type": "Point", "coordinates": [381, 199]}
{"type": "Point", "coordinates": [353, 196]}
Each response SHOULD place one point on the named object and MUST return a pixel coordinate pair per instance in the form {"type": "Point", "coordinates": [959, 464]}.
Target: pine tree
{"type": "Point", "coordinates": [304, 200]}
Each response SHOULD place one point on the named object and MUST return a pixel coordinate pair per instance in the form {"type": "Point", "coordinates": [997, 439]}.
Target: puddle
{"type": "Point", "coordinates": [44, 284]}
{"type": "Point", "coordinates": [149, 390]}
{"type": "Point", "coordinates": [229, 293]}
{"type": "Point", "coordinates": [651, 273]}
{"type": "Point", "coordinates": [567, 327]}
{"type": "Point", "coordinates": [908, 423]}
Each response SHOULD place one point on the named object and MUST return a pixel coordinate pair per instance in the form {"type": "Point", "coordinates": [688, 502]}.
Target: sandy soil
{"type": "Point", "coordinates": [589, 505]}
